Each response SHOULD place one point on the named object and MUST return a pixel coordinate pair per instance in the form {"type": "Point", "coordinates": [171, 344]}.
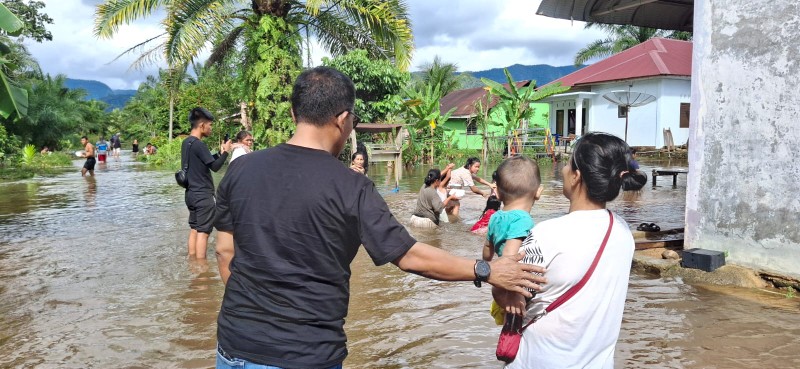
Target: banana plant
{"type": "Point", "coordinates": [13, 99]}
{"type": "Point", "coordinates": [424, 110]}
{"type": "Point", "coordinates": [514, 105]}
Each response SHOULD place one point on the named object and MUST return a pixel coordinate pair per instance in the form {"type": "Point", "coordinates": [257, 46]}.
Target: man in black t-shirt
{"type": "Point", "coordinates": [298, 217]}
{"type": "Point", "coordinates": [199, 195]}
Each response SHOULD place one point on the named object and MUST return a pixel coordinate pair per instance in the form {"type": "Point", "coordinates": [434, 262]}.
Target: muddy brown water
{"type": "Point", "coordinates": [93, 275]}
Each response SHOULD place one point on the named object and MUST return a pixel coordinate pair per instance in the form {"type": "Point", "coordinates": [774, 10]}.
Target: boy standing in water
{"type": "Point", "coordinates": [518, 187]}
{"type": "Point", "coordinates": [88, 153]}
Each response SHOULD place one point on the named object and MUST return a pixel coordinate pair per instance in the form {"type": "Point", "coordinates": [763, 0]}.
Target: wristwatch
{"type": "Point", "coordinates": [482, 272]}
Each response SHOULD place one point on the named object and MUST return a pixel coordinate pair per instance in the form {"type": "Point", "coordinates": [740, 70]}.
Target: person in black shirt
{"type": "Point", "coordinates": [290, 220]}
{"type": "Point", "coordinates": [199, 195]}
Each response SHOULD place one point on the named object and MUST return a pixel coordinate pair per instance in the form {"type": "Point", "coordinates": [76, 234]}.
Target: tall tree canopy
{"type": "Point", "coordinates": [273, 34]}
{"type": "Point", "coordinates": [622, 38]}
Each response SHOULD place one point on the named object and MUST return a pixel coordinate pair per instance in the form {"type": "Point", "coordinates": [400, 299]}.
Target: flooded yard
{"type": "Point", "coordinates": [93, 274]}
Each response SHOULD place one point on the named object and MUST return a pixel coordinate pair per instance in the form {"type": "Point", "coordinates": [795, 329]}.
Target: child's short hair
{"type": "Point", "coordinates": [517, 176]}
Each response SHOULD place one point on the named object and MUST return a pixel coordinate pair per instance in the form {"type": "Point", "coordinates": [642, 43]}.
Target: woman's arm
{"type": "Point", "coordinates": [477, 190]}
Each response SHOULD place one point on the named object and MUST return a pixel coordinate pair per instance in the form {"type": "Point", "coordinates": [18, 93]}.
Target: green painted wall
{"type": "Point", "coordinates": [458, 129]}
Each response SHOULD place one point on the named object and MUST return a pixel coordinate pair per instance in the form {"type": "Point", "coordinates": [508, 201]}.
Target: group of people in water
{"type": "Point", "coordinates": [582, 333]}
{"type": "Point", "coordinates": [290, 220]}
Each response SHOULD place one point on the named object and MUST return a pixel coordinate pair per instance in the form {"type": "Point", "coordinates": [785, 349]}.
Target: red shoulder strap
{"type": "Point", "coordinates": [577, 287]}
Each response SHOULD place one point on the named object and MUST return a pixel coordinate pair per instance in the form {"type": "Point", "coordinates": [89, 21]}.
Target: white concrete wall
{"type": "Point", "coordinates": [743, 191]}
{"type": "Point", "coordinates": [642, 120]}
{"type": "Point", "coordinates": [673, 93]}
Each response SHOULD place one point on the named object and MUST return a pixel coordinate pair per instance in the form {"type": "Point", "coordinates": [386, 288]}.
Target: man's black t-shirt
{"type": "Point", "coordinates": [199, 158]}
{"type": "Point", "coordinates": [298, 217]}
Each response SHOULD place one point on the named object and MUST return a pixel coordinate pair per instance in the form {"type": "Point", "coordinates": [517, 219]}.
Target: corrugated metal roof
{"type": "Point", "coordinates": [464, 100]}
{"type": "Point", "coordinates": [663, 14]}
{"type": "Point", "coordinates": [654, 57]}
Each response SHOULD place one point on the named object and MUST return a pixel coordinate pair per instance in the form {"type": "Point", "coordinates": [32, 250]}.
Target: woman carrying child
{"type": "Point", "coordinates": [582, 332]}
{"type": "Point", "coordinates": [463, 178]}
{"type": "Point", "coordinates": [518, 187]}
{"type": "Point", "coordinates": [429, 204]}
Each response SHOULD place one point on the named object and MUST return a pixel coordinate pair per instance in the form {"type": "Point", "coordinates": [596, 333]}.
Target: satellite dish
{"type": "Point", "coordinates": [629, 99]}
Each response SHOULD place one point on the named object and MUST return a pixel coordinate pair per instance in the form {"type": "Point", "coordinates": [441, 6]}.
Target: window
{"type": "Point", "coordinates": [622, 111]}
{"type": "Point", "coordinates": [472, 128]}
{"type": "Point", "coordinates": [685, 108]}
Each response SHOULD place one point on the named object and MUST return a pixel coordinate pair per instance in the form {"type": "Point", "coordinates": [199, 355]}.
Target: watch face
{"type": "Point", "coordinates": [482, 270]}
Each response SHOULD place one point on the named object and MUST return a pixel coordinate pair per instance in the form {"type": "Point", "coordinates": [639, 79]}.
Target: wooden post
{"type": "Point", "coordinates": [353, 143]}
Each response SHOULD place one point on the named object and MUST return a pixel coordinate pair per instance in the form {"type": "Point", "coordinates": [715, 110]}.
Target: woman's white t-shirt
{"type": "Point", "coordinates": [237, 152]}
{"type": "Point", "coordinates": [583, 332]}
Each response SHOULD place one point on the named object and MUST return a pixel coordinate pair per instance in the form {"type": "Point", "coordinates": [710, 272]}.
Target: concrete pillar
{"type": "Point", "coordinates": [579, 116]}
{"type": "Point", "coordinates": [743, 191]}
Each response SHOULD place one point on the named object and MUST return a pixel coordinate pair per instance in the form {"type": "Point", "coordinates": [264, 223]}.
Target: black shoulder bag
{"type": "Point", "coordinates": [181, 176]}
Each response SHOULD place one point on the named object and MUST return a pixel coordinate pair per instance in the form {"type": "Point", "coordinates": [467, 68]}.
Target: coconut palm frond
{"type": "Point", "coordinates": [191, 25]}
{"type": "Point", "coordinates": [140, 47]}
{"type": "Point", "coordinates": [147, 57]}
{"type": "Point", "coordinates": [388, 24]}
{"type": "Point", "coordinates": [111, 14]}
{"type": "Point", "coordinates": [337, 36]}
{"type": "Point", "coordinates": [225, 46]}
{"type": "Point", "coordinates": [596, 49]}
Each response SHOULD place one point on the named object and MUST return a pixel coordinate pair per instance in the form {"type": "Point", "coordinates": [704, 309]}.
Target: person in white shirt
{"type": "Point", "coordinates": [463, 178]}
{"type": "Point", "coordinates": [243, 145]}
{"type": "Point", "coordinates": [583, 332]}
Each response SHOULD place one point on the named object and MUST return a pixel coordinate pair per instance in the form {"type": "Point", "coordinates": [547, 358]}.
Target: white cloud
{"type": "Point", "coordinates": [475, 34]}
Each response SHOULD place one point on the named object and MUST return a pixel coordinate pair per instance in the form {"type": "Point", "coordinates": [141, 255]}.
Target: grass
{"type": "Point", "coordinates": [30, 164]}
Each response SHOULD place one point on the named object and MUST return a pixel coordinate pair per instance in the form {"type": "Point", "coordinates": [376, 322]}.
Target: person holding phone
{"type": "Point", "coordinates": [199, 195]}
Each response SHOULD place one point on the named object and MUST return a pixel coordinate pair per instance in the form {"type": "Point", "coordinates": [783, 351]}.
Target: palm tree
{"type": "Point", "coordinates": [272, 33]}
{"type": "Point", "coordinates": [438, 73]}
{"type": "Point", "coordinates": [622, 37]}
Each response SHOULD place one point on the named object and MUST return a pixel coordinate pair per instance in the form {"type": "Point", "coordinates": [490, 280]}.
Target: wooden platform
{"type": "Point", "coordinates": [668, 239]}
{"type": "Point", "coordinates": [668, 172]}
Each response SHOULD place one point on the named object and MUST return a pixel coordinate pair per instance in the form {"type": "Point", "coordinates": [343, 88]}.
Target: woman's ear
{"type": "Point", "coordinates": [576, 179]}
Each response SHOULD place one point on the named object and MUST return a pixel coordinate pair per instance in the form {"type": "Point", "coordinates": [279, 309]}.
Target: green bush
{"type": "Point", "coordinates": [168, 154]}
{"type": "Point", "coordinates": [28, 155]}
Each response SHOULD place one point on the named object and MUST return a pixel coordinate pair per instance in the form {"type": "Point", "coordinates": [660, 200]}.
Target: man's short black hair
{"type": "Point", "coordinates": [84, 138]}
{"type": "Point", "coordinates": [198, 114]}
{"type": "Point", "coordinates": [320, 94]}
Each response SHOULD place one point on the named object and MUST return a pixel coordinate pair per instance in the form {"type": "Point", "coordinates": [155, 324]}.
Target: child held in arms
{"type": "Point", "coordinates": [518, 187]}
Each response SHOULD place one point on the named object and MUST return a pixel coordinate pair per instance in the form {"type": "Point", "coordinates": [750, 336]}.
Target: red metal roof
{"type": "Point", "coordinates": [654, 57]}
{"type": "Point", "coordinates": [464, 100]}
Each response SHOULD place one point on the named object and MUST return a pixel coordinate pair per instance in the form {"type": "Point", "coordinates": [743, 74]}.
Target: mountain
{"type": "Point", "coordinates": [96, 90]}
{"type": "Point", "coordinates": [541, 73]}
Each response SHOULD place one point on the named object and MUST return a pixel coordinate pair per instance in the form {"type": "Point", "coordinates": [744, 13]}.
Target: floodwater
{"type": "Point", "coordinates": [93, 274]}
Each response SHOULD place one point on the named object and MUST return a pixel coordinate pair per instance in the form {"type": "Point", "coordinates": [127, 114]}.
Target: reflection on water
{"type": "Point", "coordinates": [93, 274]}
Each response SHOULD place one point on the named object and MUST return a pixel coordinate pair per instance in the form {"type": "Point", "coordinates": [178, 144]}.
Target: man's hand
{"type": "Point", "coordinates": [511, 275]}
{"type": "Point", "coordinates": [450, 166]}
{"type": "Point", "coordinates": [225, 147]}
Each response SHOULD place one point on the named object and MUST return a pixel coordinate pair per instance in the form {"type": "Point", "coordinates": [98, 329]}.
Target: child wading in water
{"type": "Point", "coordinates": [482, 225]}
{"type": "Point", "coordinates": [518, 187]}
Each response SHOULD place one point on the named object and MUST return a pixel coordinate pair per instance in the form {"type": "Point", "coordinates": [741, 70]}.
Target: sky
{"type": "Point", "coordinates": [474, 34]}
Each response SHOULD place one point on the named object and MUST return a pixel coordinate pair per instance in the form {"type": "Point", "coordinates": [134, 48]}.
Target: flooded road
{"type": "Point", "coordinates": [93, 274]}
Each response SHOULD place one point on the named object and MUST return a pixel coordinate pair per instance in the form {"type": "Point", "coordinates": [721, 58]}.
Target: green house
{"type": "Point", "coordinates": [462, 128]}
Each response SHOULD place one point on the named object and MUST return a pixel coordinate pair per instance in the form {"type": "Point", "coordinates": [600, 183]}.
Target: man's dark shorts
{"type": "Point", "coordinates": [201, 211]}
{"type": "Point", "coordinates": [89, 164]}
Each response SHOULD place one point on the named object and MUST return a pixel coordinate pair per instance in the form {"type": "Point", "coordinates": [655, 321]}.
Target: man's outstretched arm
{"type": "Point", "coordinates": [506, 272]}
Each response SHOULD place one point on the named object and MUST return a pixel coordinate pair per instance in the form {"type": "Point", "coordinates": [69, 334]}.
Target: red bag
{"type": "Point", "coordinates": [511, 335]}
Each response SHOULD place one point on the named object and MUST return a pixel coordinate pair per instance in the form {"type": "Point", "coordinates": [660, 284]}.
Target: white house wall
{"type": "Point", "coordinates": [646, 123]}
{"type": "Point", "coordinates": [673, 93]}
{"type": "Point", "coordinates": [642, 121]}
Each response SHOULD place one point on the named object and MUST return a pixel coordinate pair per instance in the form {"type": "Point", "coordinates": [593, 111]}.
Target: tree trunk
{"type": "Point", "coordinates": [243, 117]}
{"type": "Point", "coordinates": [171, 110]}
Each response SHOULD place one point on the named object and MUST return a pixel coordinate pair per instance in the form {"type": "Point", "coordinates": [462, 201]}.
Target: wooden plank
{"type": "Point", "coordinates": [667, 244]}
